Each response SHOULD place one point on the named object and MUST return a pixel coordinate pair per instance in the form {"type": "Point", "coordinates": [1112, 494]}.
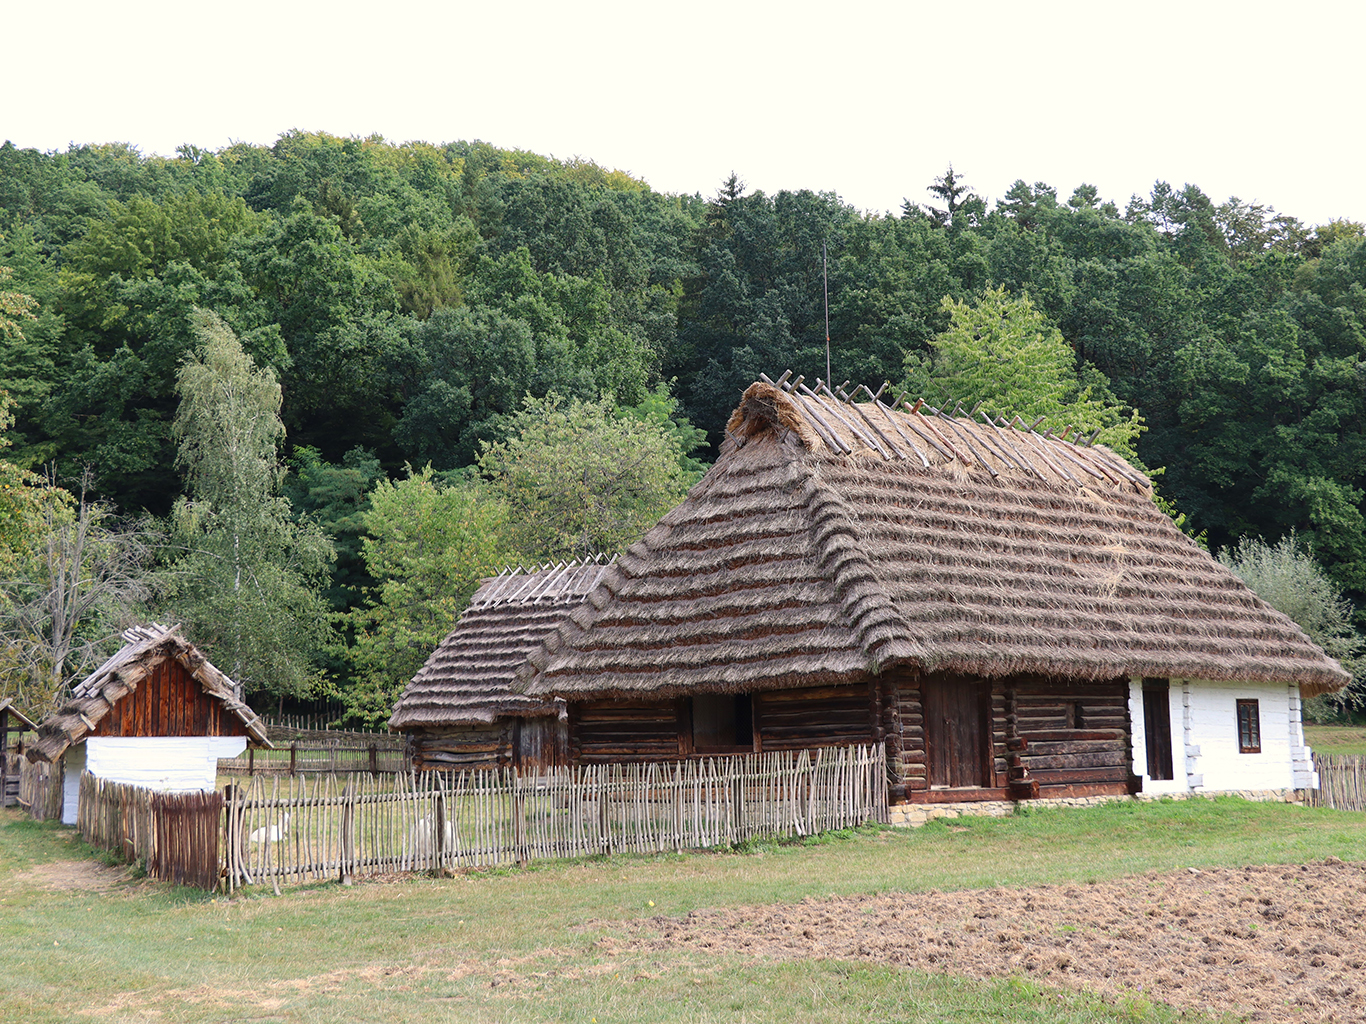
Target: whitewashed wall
{"type": "Point", "coordinates": [169, 764]}
{"type": "Point", "coordinates": [74, 765]}
{"type": "Point", "coordinates": [1204, 726]}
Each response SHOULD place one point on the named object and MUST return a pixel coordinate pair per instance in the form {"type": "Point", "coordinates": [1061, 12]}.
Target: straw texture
{"type": "Point", "coordinates": [468, 678]}
{"type": "Point", "coordinates": [144, 648]}
{"type": "Point", "coordinates": [833, 540]}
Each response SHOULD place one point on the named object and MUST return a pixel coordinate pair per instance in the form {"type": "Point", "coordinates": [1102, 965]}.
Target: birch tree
{"type": "Point", "coordinates": [247, 581]}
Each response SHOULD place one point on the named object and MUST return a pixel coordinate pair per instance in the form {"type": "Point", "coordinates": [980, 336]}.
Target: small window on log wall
{"type": "Point", "coordinates": [1249, 727]}
{"type": "Point", "coordinates": [722, 723]}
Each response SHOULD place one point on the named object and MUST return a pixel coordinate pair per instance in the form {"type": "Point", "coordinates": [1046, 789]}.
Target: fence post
{"type": "Point", "coordinates": [232, 835]}
{"type": "Point", "coordinates": [518, 819]}
{"type": "Point", "coordinates": [440, 830]}
{"type": "Point", "coordinates": [293, 753]}
{"type": "Point", "coordinates": [348, 833]}
{"type": "Point", "coordinates": [374, 760]}
{"type": "Point", "coordinates": [251, 759]}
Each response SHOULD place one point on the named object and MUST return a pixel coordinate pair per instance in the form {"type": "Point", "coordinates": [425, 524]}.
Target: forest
{"type": "Point", "coordinates": [301, 397]}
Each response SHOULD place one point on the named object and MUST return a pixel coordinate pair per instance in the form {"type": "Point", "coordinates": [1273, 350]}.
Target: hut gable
{"type": "Point", "coordinates": [158, 684]}
{"type": "Point", "coordinates": [833, 539]}
{"type": "Point", "coordinates": [467, 680]}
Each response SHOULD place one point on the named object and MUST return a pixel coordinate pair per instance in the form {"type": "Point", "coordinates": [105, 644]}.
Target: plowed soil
{"type": "Point", "coordinates": [1271, 943]}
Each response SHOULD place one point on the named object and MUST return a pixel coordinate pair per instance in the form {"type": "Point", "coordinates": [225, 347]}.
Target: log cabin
{"type": "Point", "coordinates": [1006, 611]}
{"type": "Point", "coordinates": [460, 710]}
{"type": "Point", "coordinates": [157, 714]}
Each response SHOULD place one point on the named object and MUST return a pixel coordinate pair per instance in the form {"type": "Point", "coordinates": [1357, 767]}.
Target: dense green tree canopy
{"type": "Point", "coordinates": [409, 297]}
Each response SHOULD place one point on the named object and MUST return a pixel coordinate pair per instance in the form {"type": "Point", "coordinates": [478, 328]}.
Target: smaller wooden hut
{"type": "Point", "coordinates": [13, 725]}
{"type": "Point", "coordinates": [157, 714]}
{"type": "Point", "coordinates": [460, 710]}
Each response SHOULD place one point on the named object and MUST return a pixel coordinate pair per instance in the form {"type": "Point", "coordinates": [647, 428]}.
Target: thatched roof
{"type": "Point", "coordinates": [468, 677]}
{"type": "Point", "coordinates": [834, 539]}
{"type": "Point", "coordinates": [145, 648]}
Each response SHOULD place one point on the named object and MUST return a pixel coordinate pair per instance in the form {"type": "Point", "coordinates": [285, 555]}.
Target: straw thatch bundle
{"type": "Point", "coordinates": [145, 648]}
{"type": "Point", "coordinates": [468, 678]}
{"type": "Point", "coordinates": [832, 540]}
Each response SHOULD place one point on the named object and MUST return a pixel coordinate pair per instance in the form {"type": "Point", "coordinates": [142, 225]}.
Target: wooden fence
{"type": "Point", "coordinates": [302, 829]}
{"type": "Point", "coordinates": [40, 788]}
{"type": "Point", "coordinates": [1342, 782]}
{"type": "Point", "coordinates": [176, 835]}
{"type": "Point", "coordinates": [340, 756]}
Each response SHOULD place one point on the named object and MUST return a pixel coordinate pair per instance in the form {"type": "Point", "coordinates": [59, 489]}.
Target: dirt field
{"type": "Point", "coordinates": [1271, 943]}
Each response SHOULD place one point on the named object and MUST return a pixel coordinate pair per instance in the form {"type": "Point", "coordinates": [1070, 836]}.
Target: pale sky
{"type": "Point", "coordinates": [872, 100]}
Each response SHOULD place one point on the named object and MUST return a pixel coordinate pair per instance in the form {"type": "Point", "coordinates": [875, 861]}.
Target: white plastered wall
{"type": "Point", "coordinates": [1204, 728]}
{"type": "Point", "coordinates": [168, 764]}
{"type": "Point", "coordinates": [74, 765]}
{"type": "Point", "coordinates": [1179, 784]}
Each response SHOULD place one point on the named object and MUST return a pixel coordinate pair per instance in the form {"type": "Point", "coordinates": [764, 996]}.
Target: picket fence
{"type": "Point", "coordinates": [175, 836]}
{"type": "Point", "coordinates": [297, 830]}
{"type": "Point", "coordinates": [337, 755]}
{"type": "Point", "coordinates": [1342, 782]}
{"type": "Point", "coordinates": [40, 789]}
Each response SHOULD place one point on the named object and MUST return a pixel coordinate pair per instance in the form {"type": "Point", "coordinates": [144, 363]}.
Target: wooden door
{"type": "Point", "coordinates": [957, 731]}
{"type": "Point", "coordinates": [539, 744]}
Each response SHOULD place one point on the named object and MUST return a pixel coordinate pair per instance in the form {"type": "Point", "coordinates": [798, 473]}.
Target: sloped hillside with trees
{"type": "Point", "coordinates": [461, 336]}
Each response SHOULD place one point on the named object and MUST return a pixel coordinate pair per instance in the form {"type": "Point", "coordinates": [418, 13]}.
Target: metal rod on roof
{"type": "Point", "coordinates": [825, 285]}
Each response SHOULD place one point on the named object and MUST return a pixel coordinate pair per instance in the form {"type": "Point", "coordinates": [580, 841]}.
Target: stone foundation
{"type": "Point", "coordinates": [915, 815]}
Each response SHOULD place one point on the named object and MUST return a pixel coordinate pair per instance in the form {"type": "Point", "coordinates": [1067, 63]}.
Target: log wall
{"type": "Point", "coordinates": [809, 718]}
{"type": "Point", "coordinates": [602, 732]}
{"type": "Point", "coordinates": [1063, 735]}
{"type": "Point", "coordinates": [1075, 734]}
{"type": "Point", "coordinates": [169, 702]}
{"type": "Point", "coordinates": [465, 746]}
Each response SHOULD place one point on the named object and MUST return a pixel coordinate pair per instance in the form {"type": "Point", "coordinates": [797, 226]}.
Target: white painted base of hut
{"type": "Point", "coordinates": [915, 815]}
{"type": "Point", "coordinates": [168, 764]}
{"type": "Point", "coordinates": [1205, 745]}
{"type": "Point", "coordinates": [74, 768]}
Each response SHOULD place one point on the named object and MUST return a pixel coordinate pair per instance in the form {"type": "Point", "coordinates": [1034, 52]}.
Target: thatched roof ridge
{"type": "Point", "coordinates": [824, 545]}
{"type": "Point", "coordinates": [144, 648]}
{"type": "Point", "coordinates": [468, 677]}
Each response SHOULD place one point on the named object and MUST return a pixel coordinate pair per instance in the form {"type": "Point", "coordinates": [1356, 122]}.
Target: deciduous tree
{"type": "Point", "coordinates": [246, 584]}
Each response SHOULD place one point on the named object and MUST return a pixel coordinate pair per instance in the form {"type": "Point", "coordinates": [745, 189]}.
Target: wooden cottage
{"type": "Point", "coordinates": [1006, 611]}
{"type": "Point", "coordinates": [460, 710]}
{"type": "Point", "coordinates": [157, 714]}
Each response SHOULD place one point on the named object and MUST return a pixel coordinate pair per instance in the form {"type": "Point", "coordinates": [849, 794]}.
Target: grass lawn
{"type": "Point", "coordinates": [1336, 739]}
{"type": "Point", "coordinates": [525, 945]}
